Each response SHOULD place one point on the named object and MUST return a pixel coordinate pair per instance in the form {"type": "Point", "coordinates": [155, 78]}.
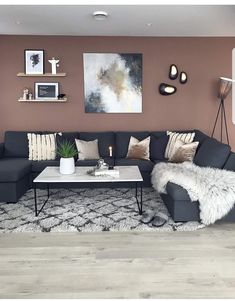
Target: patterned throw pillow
{"type": "Point", "coordinates": [87, 150]}
{"type": "Point", "coordinates": [173, 137]}
{"type": "Point", "coordinates": [42, 147]}
{"type": "Point", "coordinates": [183, 151]}
{"type": "Point", "coordinates": [138, 149]}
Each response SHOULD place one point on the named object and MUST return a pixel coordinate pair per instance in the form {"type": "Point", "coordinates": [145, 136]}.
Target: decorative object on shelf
{"type": "Point", "coordinates": [25, 94]}
{"type": "Point", "coordinates": [67, 151]}
{"type": "Point", "coordinates": [225, 86]}
{"type": "Point", "coordinates": [54, 63]}
{"type": "Point", "coordinates": [34, 61]}
{"type": "Point", "coordinates": [46, 90]}
{"type": "Point", "coordinates": [183, 77]}
{"type": "Point", "coordinates": [166, 89]}
{"type": "Point", "coordinates": [30, 96]}
{"type": "Point", "coordinates": [173, 72]}
{"type": "Point", "coordinates": [61, 96]}
{"type": "Point", "coordinates": [113, 82]}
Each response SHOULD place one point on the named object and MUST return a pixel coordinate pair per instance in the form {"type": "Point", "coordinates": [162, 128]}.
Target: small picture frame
{"type": "Point", "coordinates": [34, 61]}
{"type": "Point", "coordinates": [46, 91]}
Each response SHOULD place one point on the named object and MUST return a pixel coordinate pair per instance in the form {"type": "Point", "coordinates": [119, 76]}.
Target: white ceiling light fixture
{"type": "Point", "coordinates": [100, 15]}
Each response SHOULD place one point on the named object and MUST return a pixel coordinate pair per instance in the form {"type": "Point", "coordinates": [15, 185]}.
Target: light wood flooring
{"type": "Point", "coordinates": [198, 264]}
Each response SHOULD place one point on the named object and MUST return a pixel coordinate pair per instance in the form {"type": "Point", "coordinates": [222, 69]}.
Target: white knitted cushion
{"type": "Point", "coordinates": [173, 137]}
{"type": "Point", "coordinates": [42, 147]}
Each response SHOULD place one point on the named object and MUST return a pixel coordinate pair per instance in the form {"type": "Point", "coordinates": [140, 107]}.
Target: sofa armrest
{"type": "Point", "coordinates": [177, 192]}
{"type": "Point", "coordinates": [1, 150]}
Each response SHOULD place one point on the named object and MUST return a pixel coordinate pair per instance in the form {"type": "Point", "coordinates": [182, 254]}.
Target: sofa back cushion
{"type": "Point", "coordinates": [200, 136]}
{"type": "Point", "coordinates": [212, 153]}
{"type": "Point", "coordinates": [230, 164]}
{"type": "Point", "coordinates": [123, 139]}
{"type": "Point", "coordinates": [158, 146]}
{"type": "Point", "coordinates": [16, 144]}
{"type": "Point", "coordinates": [105, 139]}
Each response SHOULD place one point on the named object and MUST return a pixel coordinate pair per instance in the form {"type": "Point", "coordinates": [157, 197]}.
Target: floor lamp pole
{"type": "Point", "coordinates": [222, 113]}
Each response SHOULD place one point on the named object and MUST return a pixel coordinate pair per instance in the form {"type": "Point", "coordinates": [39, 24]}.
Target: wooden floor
{"type": "Point", "coordinates": [198, 264]}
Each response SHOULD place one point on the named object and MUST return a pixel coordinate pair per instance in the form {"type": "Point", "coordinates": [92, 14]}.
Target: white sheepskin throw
{"type": "Point", "coordinates": [213, 188]}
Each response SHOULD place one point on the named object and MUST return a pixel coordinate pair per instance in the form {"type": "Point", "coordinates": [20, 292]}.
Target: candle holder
{"type": "Point", "coordinates": [110, 155]}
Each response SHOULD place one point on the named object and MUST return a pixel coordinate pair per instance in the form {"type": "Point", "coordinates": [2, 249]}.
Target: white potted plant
{"type": "Point", "coordinates": [67, 150]}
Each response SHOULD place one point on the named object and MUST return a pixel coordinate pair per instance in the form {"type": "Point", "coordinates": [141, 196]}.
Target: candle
{"type": "Point", "coordinates": [110, 151]}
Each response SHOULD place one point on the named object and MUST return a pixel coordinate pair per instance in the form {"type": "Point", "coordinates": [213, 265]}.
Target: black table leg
{"type": "Point", "coordinates": [139, 201]}
{"type": "Point", "coordinates": [37, 212]}
{"type": "Point", "coordinates": [35, 200]}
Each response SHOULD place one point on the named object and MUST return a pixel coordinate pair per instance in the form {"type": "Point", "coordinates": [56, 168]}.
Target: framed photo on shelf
{"type": "Point", "coordinates": [34, 61]}
{"type": "Point", "coordinates": [46, 91]}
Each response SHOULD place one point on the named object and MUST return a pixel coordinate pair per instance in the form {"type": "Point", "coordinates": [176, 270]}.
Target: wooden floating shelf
{"type": "Point", "coordinates": [21, 74]}
{"type": "Point", "coordinates": [44, 100]}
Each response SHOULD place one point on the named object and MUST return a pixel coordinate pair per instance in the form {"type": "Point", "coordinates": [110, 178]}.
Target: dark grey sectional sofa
{"type": "Point", "coordinates": [17, 172]}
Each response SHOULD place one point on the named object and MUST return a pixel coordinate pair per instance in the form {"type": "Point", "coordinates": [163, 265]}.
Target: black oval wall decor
{"type": "Point", "coordinates": [173, 72]}
{"type": "Point", "coordinates": [165, 89]}
{"type": "Point", "coordinates": [183, 77]}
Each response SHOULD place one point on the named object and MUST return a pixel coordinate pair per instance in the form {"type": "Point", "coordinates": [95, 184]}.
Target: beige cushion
{"type": "Point", "coordinates": [87, 150]}
{"type": "Point", "coordinates": [138, 149]}
{"type": "Point", "coordinates": [173, 137]}
{"type": "Point", "coordinates": [42, 147]}
{"type": "Point", "coordinates": [183, 151]}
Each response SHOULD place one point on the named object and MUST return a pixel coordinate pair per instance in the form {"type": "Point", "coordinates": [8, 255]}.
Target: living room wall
{"type": "Point", "coordinates": [193, 106]}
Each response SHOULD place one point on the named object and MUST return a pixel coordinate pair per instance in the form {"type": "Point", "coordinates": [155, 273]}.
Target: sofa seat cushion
{"type": "Point", "coordinates": [14, 169]}
{"type": "Point", "coordinates": [160, 161]}
{"type": "Point", "coordinates": [92, 162]}
{"type": "Point", "coordinates": [212, 153]}
{"type": "Point", "coordinates": [177, 192]}
{"type": "Point", "coordinates": [38, 166]}
{"type": "Point", "coordinates": [144, 165]}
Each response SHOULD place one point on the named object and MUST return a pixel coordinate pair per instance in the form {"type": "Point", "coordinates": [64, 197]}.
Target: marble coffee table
{"type": "Point", "coordinates": [127, 174]}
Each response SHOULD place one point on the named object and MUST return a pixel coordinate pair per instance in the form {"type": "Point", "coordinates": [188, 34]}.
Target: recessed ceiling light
{"type": "Point", "coordinates": [100, 15]}
{"type": "Point", "coordinates": [18, 22]}
{"type": "Point", "coordinates": [149, 24]}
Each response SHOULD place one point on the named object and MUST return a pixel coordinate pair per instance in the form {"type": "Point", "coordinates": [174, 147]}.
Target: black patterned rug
{"type": "Point", "coordinates": [86, 210]}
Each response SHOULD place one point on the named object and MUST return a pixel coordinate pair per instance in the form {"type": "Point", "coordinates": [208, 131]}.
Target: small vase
{"type": "Point", "coordinates": [67, 166]}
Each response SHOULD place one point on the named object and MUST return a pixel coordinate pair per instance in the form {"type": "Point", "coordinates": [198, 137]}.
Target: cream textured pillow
{"type": "Point", "coordinates": [183, 152]}
{"type": "Point", "coordinates": [87, 150]}
{"type": "Point", "coordinates": [138, 149]}
{"type": "Point", "coordinates": [42, 147]}
{"type": "Point", "coordinates": [173, 137]}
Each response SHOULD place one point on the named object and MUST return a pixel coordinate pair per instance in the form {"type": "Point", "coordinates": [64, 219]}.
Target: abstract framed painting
{"type": "Point", "coordinates": [113, 82]}
{"type": "Point", "coordinates": [34, 61]}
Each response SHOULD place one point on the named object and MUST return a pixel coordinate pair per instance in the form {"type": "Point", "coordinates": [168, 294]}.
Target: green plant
{"type": "Point", "coordinates": [67, 149]}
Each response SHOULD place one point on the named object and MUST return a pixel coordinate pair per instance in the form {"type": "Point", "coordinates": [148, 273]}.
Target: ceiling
{"type": "Point", "coordinates": [123, 20]}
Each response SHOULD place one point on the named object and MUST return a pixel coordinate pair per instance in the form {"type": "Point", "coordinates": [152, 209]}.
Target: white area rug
{"type": "Point", "coordinates": [86, 210]}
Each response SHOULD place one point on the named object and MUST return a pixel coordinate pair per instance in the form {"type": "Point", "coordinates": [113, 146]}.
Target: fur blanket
{"type": "Point", "coordinates": [213, 188]}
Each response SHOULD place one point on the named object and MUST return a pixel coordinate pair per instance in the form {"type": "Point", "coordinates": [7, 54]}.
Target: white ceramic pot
{"type": "Point", "coordinates": [67, 166]}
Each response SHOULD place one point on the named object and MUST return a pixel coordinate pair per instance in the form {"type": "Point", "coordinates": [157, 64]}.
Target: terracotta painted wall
{"type": "Point", "coordinates": [193, 106]}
